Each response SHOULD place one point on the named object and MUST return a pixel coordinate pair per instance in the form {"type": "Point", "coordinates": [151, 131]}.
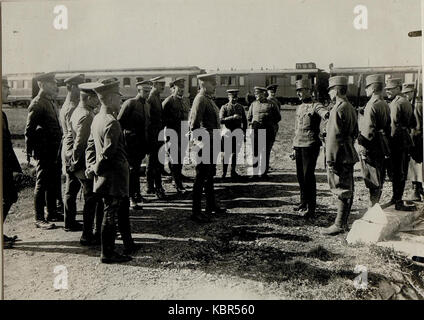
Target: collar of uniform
{"type": "Point", "coordinates": [177, 96]}
{"type": "Point", "coordinates": [307, 101]}
{"type": "Point", "coordinates": [44, 95]}
{"type": "Point", "coordinates": [141, 99]}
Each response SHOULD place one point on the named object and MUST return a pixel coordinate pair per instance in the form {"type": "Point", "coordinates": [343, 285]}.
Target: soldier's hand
{"type": "Point", "coordinates": [293, 155]}
{"type": "Point", "coordinates": [89, 173]}
{"type": "Point", "coordinates": [237, 116]}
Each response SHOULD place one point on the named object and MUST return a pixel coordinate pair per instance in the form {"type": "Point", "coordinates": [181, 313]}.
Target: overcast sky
{"type": "Point", "coordinates": [208, 34]}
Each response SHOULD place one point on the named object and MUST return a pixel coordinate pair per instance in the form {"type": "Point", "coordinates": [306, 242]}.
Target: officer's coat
{"type": "Point", "coordinates": [226, 115]}
{"type": "Point", "coordinates": [402, 121]}
{"type": "Point", "coordinates": [263, 114]}
{"type": "Point", "coordinates": [307, 124]}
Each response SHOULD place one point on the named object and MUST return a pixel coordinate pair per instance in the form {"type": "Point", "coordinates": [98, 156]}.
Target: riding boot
{"type": "Point", "coordinates": [336, 227]}
{"type": "Point", "coordinates": [416, 196]}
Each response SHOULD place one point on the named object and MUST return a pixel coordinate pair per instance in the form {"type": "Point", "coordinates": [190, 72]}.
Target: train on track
{"type": "Point", "coordinates": [23, 87]}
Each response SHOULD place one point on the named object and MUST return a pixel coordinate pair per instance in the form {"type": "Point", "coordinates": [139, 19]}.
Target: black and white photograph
{"type": "Point", "coordinates": [213, 150]}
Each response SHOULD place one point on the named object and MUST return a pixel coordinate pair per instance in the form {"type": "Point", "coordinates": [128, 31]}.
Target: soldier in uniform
{"type": "Point", "coordinates": [205, 117]}
{"type": "Point", "coordinates": [232, 117]}
{"type": "Point", "coordinates": [133, 118]}
{"type": "Point", "coordinates": [43, 138]}
{"type": "Point", "coordinates": [373, 137]}
{"type": "Point", "coordinates": [342, 130]}
{"type": "Point", "coordinates": [306, 146]}
{"type": "Point", "coordinates": [402, 121]}
{"type": "Point", "coordinates": [263, 114]}
{"type": "Point", "coordinates": [72, 185]}
{"type": "Point", "coordinates": [415, 164]}
{"type": "Point", "coordinates": [76, 143]}
{"type": "Point", "coordinates": [106, 161]}
{"type": "Point", "coordinates": [154, 167]}
{"type": "Point", "coordinates": [10, 165]}
{"type": "Point", "coordinates": [173, 115]}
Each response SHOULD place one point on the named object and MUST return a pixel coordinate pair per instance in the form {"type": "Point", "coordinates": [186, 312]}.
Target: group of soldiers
{"type": "Point", "coordinates": [99, 145]}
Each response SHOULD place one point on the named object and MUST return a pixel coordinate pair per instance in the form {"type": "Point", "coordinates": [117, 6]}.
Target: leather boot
{"type": "Point", "coordinates": [416, 196]}
{"type": "Point", "coordinates": [336, 227]}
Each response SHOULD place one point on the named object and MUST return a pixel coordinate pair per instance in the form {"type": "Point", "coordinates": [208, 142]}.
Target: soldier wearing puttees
{"type": "Point", "coordinates": [306, 145]}
{"type": "Point", "coordinates": [415, 173]}
{"type": "Point", "coordinates": [73, 184]}
{"type": "Point", "coordinates": [233, 117]}
{"type": "Point", "coordinates": [43, 138]}
{"type": "Point", "coordinates": [402, 121]}
{"type": "Point", "coordinates": [134, 117]}
{"type": "Point", "coordinates": [263, 114]}
{"type": "Point", "coordinates": [154, 166]}
{"type": "Point", "coordinates": [76, 144]}
{"type": "Point", "coordinates": [106, 161]}
{"type": "Point", "coordinates": [173, 115]}
{"type": "Point", "coordinates": [205, 116]}
{"type": "Point", "coordinates": [373, 138]}
{"type": "Point", "coordinates": [342, 130]}
{"type": "Point", "coordinates": [10, 165]}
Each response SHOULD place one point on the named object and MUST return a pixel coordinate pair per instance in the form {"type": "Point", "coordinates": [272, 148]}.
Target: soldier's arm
{"type": "Point", "coordinates": [125, 114]}
{"type": "Point", "coordinates": [368, 132]}
{"type": "Point", "coordinates": [321, 111]}
{"type": "Point", "coordinates": [277, 112]}
{"type": "Point", "coordinates": [334, 131]}
{"type": "Point", "coordinates": [197, 112]}
{"type": "Point", "coordinates": [167, 116]}
{"type": "Point", "coordinates": [110, 145]}
{"type": "Point", "coordinates": [90, 156]}
{"type": "Point", "coordinates": [250, 113]}
{"type": "Point", "coordinates": [243, 118]}
{"type": "Point", "coordinates": [31, 125]}
{"type": "Point", "coordinates": [80, 142]}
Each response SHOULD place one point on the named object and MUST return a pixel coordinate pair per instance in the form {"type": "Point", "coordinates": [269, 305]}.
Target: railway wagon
{"type": "Point", "coordinates": [23, 88]}
{"type": "Point", "coordinates": [407, 74]}
{"type": "Point", "coordinates": [246, 80]}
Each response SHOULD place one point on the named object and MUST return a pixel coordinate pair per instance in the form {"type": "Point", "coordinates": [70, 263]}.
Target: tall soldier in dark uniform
{"type": "Point", "coordinates": [263, 114]}
{"type": "Point", "coordinates": [43, 136]}
{"type": "Point", "coordinates": [154, 167]}
{"type": "Point", "coordinates": [204, 118]}
{"type": "Point", "coordinates": [306, 145]}
{"type": "Point", "coordinates": [272, 91]}
{"type": "Point", "coordinates": [233, 117]}
{"type": "Point", "coordinates": [73, 184]}
{"type": "Point", "coordinates": [10, 165]}
{"type": "Point", "coordinates": [133, 118]}
{"type": "Point", "coordinates": [106, 160]}
{"type": "Point", "coordinates": [402, 121]}
{"type": "Point", "coordinates": [76, 144]}
{"type": "Point", "coordinates": [373, 138]}
{"type": "Point", "coordinates": [173, 115]}
{"type": "Point", "coordinates": [342, 130]}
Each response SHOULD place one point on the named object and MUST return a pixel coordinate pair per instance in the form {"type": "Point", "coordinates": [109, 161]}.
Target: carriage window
{"type": "Point", "coordinates": [14, 84]}
{"type": "Point", "coordinates": [387, 77]}
{"type": "Point", "coordinates": [26, 84]}
{"type": "Point", "coordinates": [224, 81]}
{"type": "Point", "coordinates": [138, 79]}
{"type": "Point", "coordinates": [293, 80]}
{"type": "Point", "coordinates": [231, 81]}
{"type": "Point", "coordinates": [351, 80]}
{"type": "Point", "coordinates": [241, 81]}
{"type": "Point", "coordinates": [409, 77]}
{"type": "Point", "coordinates": [127, 82]}
{"type": "Point", "coordinates": [194, 82]}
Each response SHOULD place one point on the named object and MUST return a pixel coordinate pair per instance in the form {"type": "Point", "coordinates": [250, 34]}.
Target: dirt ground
{"type": "Point", "coordinates": [253, 253]}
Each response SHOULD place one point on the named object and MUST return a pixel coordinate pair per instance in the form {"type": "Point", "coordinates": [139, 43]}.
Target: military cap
{"type": "Point", "coordinates": [176, 81]}
{"type": "Point", "coordinates": [233, 91]}
{"type": "Point", "coordinates": [144, 83]}
{"type": "Point", "coordinates": [259, 88]}
{"type": "Point", "coordinates": [393, 83]}
{"type": "Point", "coordinates": [88, 87]}
{"type": "Point", "coordinates": [272, 87]}
{"type": "Point", "coordinates": [46, 77]}
{"type": "Point", "coordinates": [206, 76]}
{"type": "Point", "coordinates": [374, 78]}
{"type": "Point", "coordinates": [75, 79]}
{"type": "Point", "coordinates": [105, 86]}
{"type": "Point", "coordinates": [157, 79]}
{"type": "Point", "coordinates": [337, 81]}
{"type": "Point", "coordinates": [408, 87]}
{"type": "Point", "coordinates": [303, 84]}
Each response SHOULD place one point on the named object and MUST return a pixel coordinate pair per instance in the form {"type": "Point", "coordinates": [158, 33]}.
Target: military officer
{"type": "Point", "coordinates": [402, 121]}
{"type": "Point", "coordinates": [342, 130]}
{"type": "Point", "coordinates": [306, 145]}
{"type": "Point", "coordinates": [106, 161]}
{"type": "Point", "coordinates": [232, 117]}
{"type": "Point", "coordinates": [76, 143]}
{"type": "Point", "coordinates": [416, 162]}
{"type": "Point", "coordinates": [204, 118]}
{"type": "Point", "coordinates": [263, 114]}
{"type": "Point", "coordinates": [154, 166]}
{"type": "Point", "coordinates": [133, 118]}
{"type": "Point", "coordinates": [43, 137]}
{"type": "Point", "coordinates": [72, 185]}
{"type": "Point", "coordinates": [173, 115]}
{"type": "Point", "coordinates": [373, 137]}
{"type": "Point", "coordinates": [10, 165]}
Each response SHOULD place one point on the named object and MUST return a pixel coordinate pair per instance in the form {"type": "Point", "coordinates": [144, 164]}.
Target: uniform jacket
{"type": "Point", "coordinates": [134, 120]}
{"type": "Point", "coordinates": [42, 131]}
{"type": "Point", "coordinates": [10, 161]}
{"type": "Point", "coordinates": [155, 120]}
{"type": "Point", "coordinates": [402, 121]}
{"type": "Point", "coordinates": [342, 130]}
{"type": "Point", "coordinates": [226, 115]}
{"type": "Point", "coordinates": [307, 124]}
{"type": "Point", "coordinates": [263, 114]}
{"type": "Point", "coordinates": [417, 133]}
{"type": "Point", "coordinates": [173, 113]}
{"type": "Point", "coordinates": [106, 157]}
{"type": "Point", "coordinates": [204, 113]}
{"type": "Point", "coordinates": [65, 114]}
{"type": "Point", "coordinates": [76, 139]}
{"type": "Point", "coordinates": [275, 100]}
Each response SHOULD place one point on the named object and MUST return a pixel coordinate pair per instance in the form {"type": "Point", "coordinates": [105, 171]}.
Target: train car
{"type": "Point", "coordinates": [406, 73]}
{"type": "Point", "coordinates": [246, 80]}
{"type": "Point", "coordinates": [24, 88]}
